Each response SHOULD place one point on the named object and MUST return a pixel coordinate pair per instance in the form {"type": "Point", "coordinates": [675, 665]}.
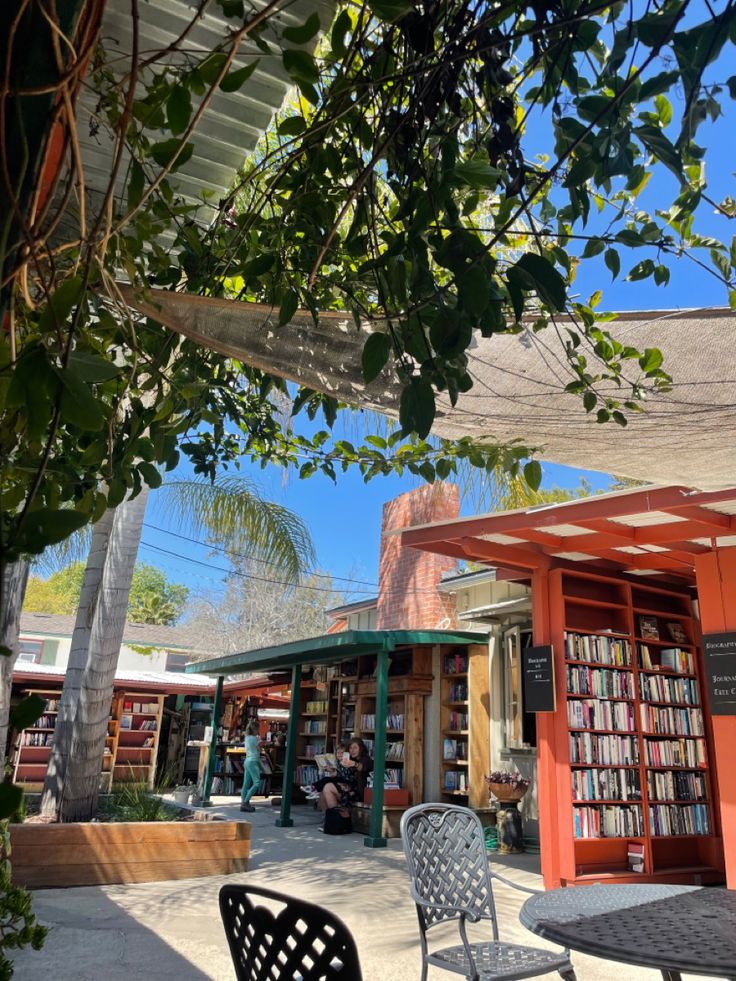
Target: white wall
{"type": "Point", "coordinates": [130, 660]}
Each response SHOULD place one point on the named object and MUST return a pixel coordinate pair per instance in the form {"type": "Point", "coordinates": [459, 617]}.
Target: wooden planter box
{"type": "Point", "coordinates": [52, 855]}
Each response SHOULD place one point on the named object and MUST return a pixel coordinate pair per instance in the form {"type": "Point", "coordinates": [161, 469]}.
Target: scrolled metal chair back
{"type": "Point", "coordinates": [448, 863]}
{"type": "Point", "coordinates": [273, 937]}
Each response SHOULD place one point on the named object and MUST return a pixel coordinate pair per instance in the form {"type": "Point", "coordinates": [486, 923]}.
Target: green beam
{"type": "Point", "coordinates": [376, 839]}
{"type": "Point", "coordinates": [216, 710]}
{"type": "Point", "coordinates": [285, 820]}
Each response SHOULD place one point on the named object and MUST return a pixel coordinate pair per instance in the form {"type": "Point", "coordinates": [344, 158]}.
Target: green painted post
{"type": "Point", "coordinates": [284, 820]}
{"type": "Point", "coordinates": [376, 839]}
{"type": "Point", "coordinates": [216, 710]}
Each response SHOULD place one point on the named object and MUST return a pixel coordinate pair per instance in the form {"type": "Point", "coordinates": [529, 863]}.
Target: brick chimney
{"type": "Point", "coordinates": [407, 578]}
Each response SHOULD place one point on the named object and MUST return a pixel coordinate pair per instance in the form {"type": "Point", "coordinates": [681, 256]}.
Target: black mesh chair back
{"type": "Point", "coordinates": [273, 937]}
{"type": "Point", "coordinates": [448, 864]}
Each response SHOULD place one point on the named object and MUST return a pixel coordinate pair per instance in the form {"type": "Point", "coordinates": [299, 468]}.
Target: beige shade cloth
{"type": "Point", "coordinates": [685, 436]}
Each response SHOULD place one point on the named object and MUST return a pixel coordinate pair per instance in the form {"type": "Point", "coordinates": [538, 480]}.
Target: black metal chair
{"type": "Point", "coordinates": [273, 937]}
{"type": "Point", "coordinates": [451, 879]}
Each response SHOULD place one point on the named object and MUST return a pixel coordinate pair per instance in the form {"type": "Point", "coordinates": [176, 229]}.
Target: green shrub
{"type": "Point", "coordinates": [18, 926]}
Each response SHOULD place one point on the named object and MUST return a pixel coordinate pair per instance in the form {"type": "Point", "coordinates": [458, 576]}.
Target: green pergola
{"type": "Point", "coordinates": [327, 649]}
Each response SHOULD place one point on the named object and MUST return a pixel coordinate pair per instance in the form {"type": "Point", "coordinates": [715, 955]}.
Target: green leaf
{"type": "Point", "coordinates": [660, 147]}
{"type": "Point", "coordinates": [60, 303]}
{"type": "Point", "coordinates": [301, 67]}
{"type": "Point", "coordinates": [590, 400]}
{"type": "Point", "coordinates": [212, 66]}
{"type": "Point", "coordinates": [476, 173]}
{"type": "Point", "coordinates": [289, 306]}
{"type": "Point", "coordinates": [658, 85]}
{"type": "Point", "coordinates": [293, 126]}
{"type": "Point", "coordinates": [544, 278]}
{"type": "Point", "coordinates": [391, 10]}
{"type": "Point", "coordinates": [376, 352]}
{"type": "Point", "coordinates": [731, 83]}
{"type": "Point", "coordinates": [650, 360]}
{"type": "Point", "coordinates": [236, 79]}
{"type": "Point", "coordinates": [258, 266]}
{"type": "Point", "coordinates": [136, 183]}
{"type": "Point", "coordinates": [11, 797]}
{"type": "Point", "coordinates": [27, 711]}
{"type": "Point", "coordinates": [150, 474]}
{"type": "Point", "coordinates": [178, 109]}
{"type": "Point", "coordinates": [300, 35]}
{"type": "Point", "coordinates": [473, 290]}
{"type": "Point", "coordinates": [78, 404]}
{"type": "Point", "coordinates": [533, 474]}
{"type": "Point", "coordinates": [49, 526]}
{"type": "Point", "coordinates": [91, 367]}
{"type": "Point", "coordinates": [337, 39]}
{"type": "Point", "coordinates": [732, 299]}
{"type": "Point", "coordinates": [5, 651]}
{"type": "Point", "coordinates": [417, 408]}
{"type": "Point", "coordinates": [642, 270]}
{"type": "Point", "coordinates": [593, 247]}
{"type": "Point", "coordinates": [164, 151]}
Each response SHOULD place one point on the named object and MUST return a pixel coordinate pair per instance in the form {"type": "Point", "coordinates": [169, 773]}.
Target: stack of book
{"type": "Point", "coordinates": [636, 856]}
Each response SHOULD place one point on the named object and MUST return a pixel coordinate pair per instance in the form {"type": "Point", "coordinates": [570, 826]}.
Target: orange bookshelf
{"type": "Point", "coordinates": [631, 746]}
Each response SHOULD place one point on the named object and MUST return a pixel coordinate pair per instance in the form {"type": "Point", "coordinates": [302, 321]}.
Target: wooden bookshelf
{"type": "Point", "coordinates": [631, 745]}
{"type": "Point", "coordinates": [464, 725]}
{"type": "Point", "coordinates": [136, 718]}
{"type": "Point", "coordinates": [34, 743]}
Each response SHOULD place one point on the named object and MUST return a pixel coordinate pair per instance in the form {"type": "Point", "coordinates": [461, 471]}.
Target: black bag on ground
{"type": "Point", "coordinates": [338, 821]}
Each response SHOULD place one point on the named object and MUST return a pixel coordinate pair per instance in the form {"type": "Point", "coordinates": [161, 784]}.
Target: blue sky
{"type": "Point", "coordinates": [345, 519]}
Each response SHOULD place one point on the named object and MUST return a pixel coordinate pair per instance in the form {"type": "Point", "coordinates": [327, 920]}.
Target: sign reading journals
{"type": "Point", "coordinates": [720, 672]}
{"type": "Point", "coordinates": [539, 679]}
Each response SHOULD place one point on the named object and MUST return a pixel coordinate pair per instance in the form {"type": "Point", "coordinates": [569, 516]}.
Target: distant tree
{"type": "Point", "coordinates": [153, 599]}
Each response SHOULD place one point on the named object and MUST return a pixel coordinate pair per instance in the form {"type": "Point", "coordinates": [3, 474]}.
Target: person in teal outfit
{"type": "Point", "coordinates": [252, 767]}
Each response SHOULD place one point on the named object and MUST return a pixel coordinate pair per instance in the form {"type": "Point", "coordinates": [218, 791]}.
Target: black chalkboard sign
{"type": "Point", "coordinates": [538, 665]}
{"type": "Point", "coordinates": [719, 652]}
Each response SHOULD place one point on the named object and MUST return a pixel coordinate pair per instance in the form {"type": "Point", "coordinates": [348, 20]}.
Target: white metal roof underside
{"type": "Point", "coordinates": [233, 122]}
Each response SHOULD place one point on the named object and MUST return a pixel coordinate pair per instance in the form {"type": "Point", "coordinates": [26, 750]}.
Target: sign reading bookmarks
{"type": "Point", "coordinates": [538, 665]}
{"type": "Point", "coordinates": [719, 652]}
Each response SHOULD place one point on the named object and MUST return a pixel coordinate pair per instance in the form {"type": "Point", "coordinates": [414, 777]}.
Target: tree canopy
{"type": "Point", "coordinates": [444, 171]}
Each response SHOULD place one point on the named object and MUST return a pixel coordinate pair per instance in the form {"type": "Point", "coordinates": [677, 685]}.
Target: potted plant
{"type": "Point", "coordinates": [507, 787]}
{"type": "Point", "coordinates": [182, 792]}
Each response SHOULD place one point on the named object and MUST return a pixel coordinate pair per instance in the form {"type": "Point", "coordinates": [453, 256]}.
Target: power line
{"type": "Point", "coordinates": [253, 558]}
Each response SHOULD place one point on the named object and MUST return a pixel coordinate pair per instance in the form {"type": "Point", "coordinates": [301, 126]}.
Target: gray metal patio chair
{"type": "Point", "coordinates": [451, 879]}
{"type": "Point", "coordinates": [273, 937]}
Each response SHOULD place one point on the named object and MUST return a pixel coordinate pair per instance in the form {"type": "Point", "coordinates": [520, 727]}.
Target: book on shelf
{"type": "Point", "coordinates": [456, 780]}
{"type": "Point", "coordinates": [316, 708]}
{"type": "Point", "coordinates": [680, 785]}
{"type": "Point", "coordinates": [454, 749]}
{"type": "Point", "coordinates": [667, 720]}
{"type": "Point", "coordinates": [606, 784]}
{"type": "Point", "coordinates": [605, 750]}
{"type": "Point", "coordinates": [395, 751]}
{"type": "Point", "coordinates": [675, 752]}
{"type": "Point", "coordinates": [608, 821]}
{"type": "Point", "coordinates": [672, 820]}
{"type": "Point", "coordinates": [615, 651]}
{"type": "Point", "coordinates": [677, 633]}
{"type": "Point", "coordinates": [126, 722]}
{"type": "Point", "coordinates": [457, 721]}
{"type": "Point", "coordinates": [661, 688]}
{"type": "Point", "coordinates": [458, 691]}
{"type": "Point", "coordinates": [595, 713]}
{"type": "Point", "coordinates": [635, 856]}
{"type": "Point", "coordinates": [393, 721]}
{"type": "Point", "coordinates": [648, 628]}
{"type": "Point", "coordinates": [599, 682]}
{"type": "Point", "coordinates": [455, 664]}
{"type": "Point", "coordinates": [147, 725]}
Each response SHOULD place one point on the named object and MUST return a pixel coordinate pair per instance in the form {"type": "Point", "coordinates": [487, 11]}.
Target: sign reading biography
{"type": "Point", "coordinates": [719, 652]}
{"type": "Point", "coordinates": [538, 665]}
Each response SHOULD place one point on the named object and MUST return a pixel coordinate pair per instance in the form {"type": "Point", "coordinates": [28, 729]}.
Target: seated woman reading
{"type": "Point", "coordinates": [347, 785]}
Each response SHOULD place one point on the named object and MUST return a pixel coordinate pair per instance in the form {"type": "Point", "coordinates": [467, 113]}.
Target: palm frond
{"type": "Point", "coordinates": [231, 511]}
{"type": "Point", "coordinates": [56, 557]}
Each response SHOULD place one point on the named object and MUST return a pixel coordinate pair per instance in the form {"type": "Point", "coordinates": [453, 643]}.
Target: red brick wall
{"type": "Point", "coordinates": [407, 594]}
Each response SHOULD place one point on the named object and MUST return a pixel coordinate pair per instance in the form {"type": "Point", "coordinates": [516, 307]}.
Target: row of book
{"type": "Point", "coordinates": [608, 821]}
{"type": "Point", "coordinates": [679, 819]}
{"type": "Point", "coordinates": [37, 738]}
{"type": "Point", "coordinates": [395, 751]}
{"type": "Point", "coordinates": [593, 713]}
{"type": "Point", "coordinates": [455, 664]}
{"type": "Point", "coordinates": [349, 718]}
{"type": "Point", "coordinates": [456, 780]}
{"type": "Point", "coordinates": [677, 785]}
{"type": "Point", "coordinates": [454, 749]}
{"type": "Point", "coordinates": [670, 659]}
{"type": "Point", "coordinates": [316, 727]}
{"type": "Point", "coordinates": [675, 752]}
{"type": "Point", "coordinates": [659, 688]}
{"type": "Point", "coordinates": [312, 749]}
{"type": "Point", "coordinates": [393, 721]}
{"type": "Point", "coordinates": [605, 750]}
{"type": "Point", "coordinates": [138, 708]}
{"type": "Point", "coordinates": [46, 722]}
{"type": "Point", "coordinates": [52, 705]}
{"type": "Point", "coordinates": [457, 721]}
{"type": "Point", "coordinates": [393, 777]}
{"type": "Point", "coordinates": [674, 721]}
{"type": "Point", "coordinates": [233, 765]}
{"type": "Point", "coordinates": [306, 774]}
{"type": "Point", "coordinates": [315, 708]}
{"type": "Point", "coordinates": [459, 691]}
{"type": "Point", "coordinates": [600, 784]}
{"type": "Point", "coordinates": [599, 650]}
{"type": "Point", "coordinates": [598, 682]}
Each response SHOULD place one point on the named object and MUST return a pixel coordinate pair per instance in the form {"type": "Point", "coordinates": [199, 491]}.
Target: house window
{"type": "Point", "coordinates": [520, 726]}
{"type": "Point", "coordinates": [176, 662]}
{"type": "Point", "coordinates": [30, 651]}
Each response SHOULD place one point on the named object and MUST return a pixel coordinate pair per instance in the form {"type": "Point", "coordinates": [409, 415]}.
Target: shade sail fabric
{"type": "Point", "coordinates": [685, 436]}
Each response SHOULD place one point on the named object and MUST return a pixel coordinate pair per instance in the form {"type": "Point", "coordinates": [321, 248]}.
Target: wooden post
{"type": "Point", "coordinates": [216, 709]}
{"type": "Point", "coordinates": [715, 573]}
{"type": "Point", "coordinates": [376, 839]}
{"type": "Point", "coordinates": [479, 725]}
{"type": "Point", "coordinates": [284, 820]}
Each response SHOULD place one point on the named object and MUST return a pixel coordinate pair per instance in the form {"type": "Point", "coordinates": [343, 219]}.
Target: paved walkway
{"type": "Point", "coordinates": [171, 931]}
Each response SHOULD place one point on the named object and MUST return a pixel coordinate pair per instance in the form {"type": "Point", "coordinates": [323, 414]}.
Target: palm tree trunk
{"type": "Point", "coordinates": [69, 702]}
{"type": "Point", "coordinates": [12, 592]}
{"type": "Point", "coordinates": [81, 782]}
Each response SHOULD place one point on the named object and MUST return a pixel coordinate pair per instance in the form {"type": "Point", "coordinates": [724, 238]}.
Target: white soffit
{"type": "Point", "coordinates": [502, 539]}
{"type": "Point", "coordinates": [565, 531]}
{"type": "Point", "coordinates": [647, 519]}
{"type": "Point", "coordinates": [575, 556]}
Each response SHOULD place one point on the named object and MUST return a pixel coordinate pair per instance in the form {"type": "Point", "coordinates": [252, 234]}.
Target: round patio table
{"type": "Point", "coordinates": [675, 929]}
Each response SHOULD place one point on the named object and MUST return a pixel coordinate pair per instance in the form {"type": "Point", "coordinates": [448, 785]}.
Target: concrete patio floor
{"type": "Point", "coordinates": [171, 931]}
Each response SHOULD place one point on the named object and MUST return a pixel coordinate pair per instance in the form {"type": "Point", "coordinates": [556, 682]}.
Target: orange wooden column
{"type": "Point", "coordinates": [715, 573]}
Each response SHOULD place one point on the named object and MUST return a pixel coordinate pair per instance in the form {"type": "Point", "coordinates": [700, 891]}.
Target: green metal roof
{"type": "Point", "coordinates": [330, 648]}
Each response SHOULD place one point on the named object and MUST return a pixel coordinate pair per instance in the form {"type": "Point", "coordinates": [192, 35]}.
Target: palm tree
{"type": "Point", "coordinates": [14, 580]}
{"type": "Point", "coordinates": [230, 509]}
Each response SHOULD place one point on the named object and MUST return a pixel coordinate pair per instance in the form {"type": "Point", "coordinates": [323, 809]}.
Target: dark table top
{"type": "Point", "coordinates": [678, 928]}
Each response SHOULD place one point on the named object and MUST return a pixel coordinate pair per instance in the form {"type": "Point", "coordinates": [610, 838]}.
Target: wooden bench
{"type": "Point", "coordinates": [389, 824]}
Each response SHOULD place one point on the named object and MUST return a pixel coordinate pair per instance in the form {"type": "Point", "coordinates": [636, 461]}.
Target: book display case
{"type": "Point", "coordinates": [136, 724]}
{"type": "Point", "coordinates": [631, 745]}
{"type": "Point", "coordinates": [464, 726]}
{"type": "Point", "coordinates": [34, 743]}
